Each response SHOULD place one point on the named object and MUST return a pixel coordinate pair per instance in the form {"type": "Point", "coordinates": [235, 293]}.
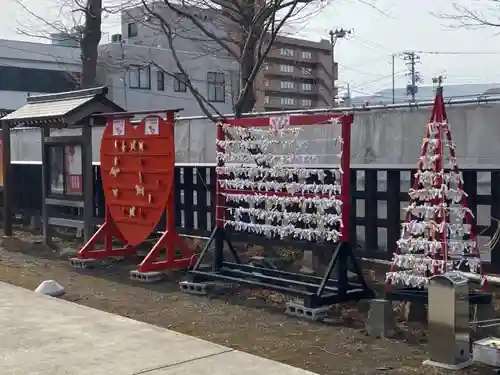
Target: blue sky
{"type": "Point", "coordinates": [365, 57]}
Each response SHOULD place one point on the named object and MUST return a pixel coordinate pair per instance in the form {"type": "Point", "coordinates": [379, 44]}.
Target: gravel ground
{"type": "Point", "coordinates": [249, 321]}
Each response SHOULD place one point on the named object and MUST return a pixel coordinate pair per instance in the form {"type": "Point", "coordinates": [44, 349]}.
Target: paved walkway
{"type": "Point", "coordinates": [41, 335]}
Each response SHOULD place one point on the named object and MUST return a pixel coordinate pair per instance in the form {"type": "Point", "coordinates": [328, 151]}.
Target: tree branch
{"type": "Point", "coordinates": [200, 99]}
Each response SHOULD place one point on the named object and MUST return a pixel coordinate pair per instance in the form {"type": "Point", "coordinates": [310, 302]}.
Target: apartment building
{"type": "Point", "coordinates": [297, 74]}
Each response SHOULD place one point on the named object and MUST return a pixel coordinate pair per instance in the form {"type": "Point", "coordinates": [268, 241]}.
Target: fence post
{"type": "Point", "coordinates": [495, 214]}
{"type": "Point", "coordinates": [371, 210]}
{"type": "Point", "coordinates": [393, 209]}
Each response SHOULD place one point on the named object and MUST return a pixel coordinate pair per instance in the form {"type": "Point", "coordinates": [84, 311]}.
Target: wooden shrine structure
{"type": "Point", "coordinates": [62, 188]}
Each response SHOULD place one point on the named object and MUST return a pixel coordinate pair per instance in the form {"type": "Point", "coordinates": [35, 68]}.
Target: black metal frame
{"type": "Point", "coordinates": [315, 291]}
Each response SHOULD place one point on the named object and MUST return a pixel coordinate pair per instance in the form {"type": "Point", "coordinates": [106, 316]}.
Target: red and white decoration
{"type": "Point", "coordinates": [436, 235]}
{"type": "Point", "coordinates": [265, 172]}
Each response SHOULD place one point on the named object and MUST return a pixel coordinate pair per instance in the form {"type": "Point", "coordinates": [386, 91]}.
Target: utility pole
{"type": "Point", "coordinates": [334, 36]}
{"type": "Point", "coordinates": [393, 79]}
{"type": "Point", "coordinates": [411, 59]}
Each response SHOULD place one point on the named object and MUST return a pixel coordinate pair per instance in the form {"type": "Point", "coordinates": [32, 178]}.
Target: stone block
{"type": "Point", "coordinates": [381, 321]}
{"type": "Point", "coordinates": [50, 288]}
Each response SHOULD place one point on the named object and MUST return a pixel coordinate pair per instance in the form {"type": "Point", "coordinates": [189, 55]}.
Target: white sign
{"type": "Point", "coordinates": [152, 126]}
{"type": "Point", "coordinates": [118, 127]}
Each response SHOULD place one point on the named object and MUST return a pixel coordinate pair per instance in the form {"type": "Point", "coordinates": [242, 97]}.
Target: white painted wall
{"type": "Point", "coordinates": [39, 55]}
{"type": "Point", "coordinates": [117, 59]}
{"type": "Point", "coordinates": [380, 139]}
{"type": "Point", "coordinates": [34, 55]}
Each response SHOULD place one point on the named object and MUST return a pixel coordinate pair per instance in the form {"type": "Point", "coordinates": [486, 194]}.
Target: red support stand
{"type": "Point", "coordinates": [170, 241]}
{"type": "Point", "coordinates": [105, 233]}
{"type": "Point", "coordinates": [137, 170]}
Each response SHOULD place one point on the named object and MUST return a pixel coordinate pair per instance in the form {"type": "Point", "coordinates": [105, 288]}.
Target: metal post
{"type": "Point", "coordinates": [7, 191]}
{"type": "Point", "coordinates": [47, 232]}
{"type": "Point", "coordinates": [87, 180]}
{"type": "Point", "coordinates": [393, 79]}
{"type": "Point", "coordinates": [333, 39]}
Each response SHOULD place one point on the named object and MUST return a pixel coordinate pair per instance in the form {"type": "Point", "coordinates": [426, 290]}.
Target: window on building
{"type": "Point", "coordinates": [306, 55]}
{"type": "Point", "coordinates": [265, 66]}
{"type": "Point", "coordinates": [266, 100]}
{"type": "Point", "coordinates": [180, 82]}
{"type": "Point", "coordinates": [132, 30]}
{"type": "Point", "coordinates": [265, 82]}
{"type": "Point", "coordinates": [307, 71]}
{"type": "Point", "coordinates": [140, 78]}
{"type": "Point", "coordinates": [286, 68]}
{"type": "Point", "coordinates": [306, 102]}
{"type": "Point", "coordinates": [287, 101]}
{"type": "Point", "coordinates": [160, 80]}
{"type": "Point", "coordinates": [287, 85]}
{"type": "Point", "coordinates": [306, 87]}
{"type": "Point", "coordinates": [286, 52]}
{"type": "Point", "coordinates": [216, 87]}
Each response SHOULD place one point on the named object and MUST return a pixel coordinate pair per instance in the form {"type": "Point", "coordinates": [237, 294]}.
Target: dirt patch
{"type": "Point", "coordinates": [251, 321]}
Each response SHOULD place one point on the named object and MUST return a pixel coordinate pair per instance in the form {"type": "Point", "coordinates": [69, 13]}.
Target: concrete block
{"type": "Point", "coordinates": [146, 277]}
{"type": "Point", "coordinates": [83, 263]}
{"type": "Point", "coordinates": [381, 321]}
{"type": "Point", "coordinates": [297, 309]}
{"type": "Point", "coordinates": [194, 288]}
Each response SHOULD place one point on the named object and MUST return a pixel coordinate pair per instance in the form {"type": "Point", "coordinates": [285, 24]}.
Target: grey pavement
{"type": "Point", "coordinates": [41, 335]}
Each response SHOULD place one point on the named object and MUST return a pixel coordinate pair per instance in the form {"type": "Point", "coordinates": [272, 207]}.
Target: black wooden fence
{"type": "Point", "coordinates": [378, 197]}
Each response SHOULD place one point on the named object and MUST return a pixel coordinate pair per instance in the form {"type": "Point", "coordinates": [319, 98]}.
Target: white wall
{"type": "Point", "coordinates": [120, 57]}
{"type": "Point", "coordinates": [379, 137]}
{"type": "Point", "coordinates": [14, 99]}
{"type": "Point", "coordinates": [39, 55]}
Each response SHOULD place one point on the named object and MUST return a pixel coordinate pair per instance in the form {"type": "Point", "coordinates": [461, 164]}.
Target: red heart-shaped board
{"type": "Point", "coordinates": [137, 170]}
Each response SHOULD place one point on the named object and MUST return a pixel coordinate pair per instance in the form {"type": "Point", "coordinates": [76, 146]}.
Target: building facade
{"type": "Point", "coordinates": [297, 74]}
{"type": "Point", "coordinates": [147, 78]}
{"type": "Point", "coordinates": [140, 70]}
{"type": "Point", "coordinates": [35, 68]}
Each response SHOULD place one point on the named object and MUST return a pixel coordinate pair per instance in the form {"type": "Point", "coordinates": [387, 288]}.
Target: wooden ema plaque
{"type": "Point", "coordinates": [137, 171]}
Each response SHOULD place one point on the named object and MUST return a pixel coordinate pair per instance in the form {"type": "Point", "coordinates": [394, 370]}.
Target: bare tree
{"type": "Point", "coordinates": [89, 41]}
{"type": "Point", "coordinates": [476, 14]}
{"type": "Point", "coordinates": [249, 27]}
{"type": "Point", "coordinates": [77, 20]}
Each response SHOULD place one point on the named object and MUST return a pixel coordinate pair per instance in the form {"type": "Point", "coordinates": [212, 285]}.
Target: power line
{"type": "Point", "coordinates": [472, 53]}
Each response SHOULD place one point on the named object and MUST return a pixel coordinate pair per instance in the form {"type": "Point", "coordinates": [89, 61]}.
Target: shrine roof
{"type": "Point", "coordinates": [62, 108]}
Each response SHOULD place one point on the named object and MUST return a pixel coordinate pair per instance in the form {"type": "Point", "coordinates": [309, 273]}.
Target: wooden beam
{"type": "Point", "coordinates": [46, 228]}
{"type": "Point", "coordinates": [63, 140]}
